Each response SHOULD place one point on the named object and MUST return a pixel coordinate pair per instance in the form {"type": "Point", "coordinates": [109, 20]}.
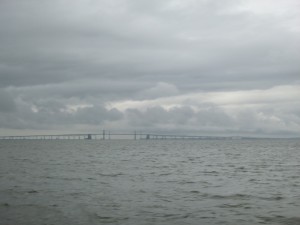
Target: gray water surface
{"type": "Point", "coordinates": [149, 182]}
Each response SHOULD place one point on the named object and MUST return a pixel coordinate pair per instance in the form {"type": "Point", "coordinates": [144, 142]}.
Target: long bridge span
{"type": "Point", "coordinates": [106, 135]}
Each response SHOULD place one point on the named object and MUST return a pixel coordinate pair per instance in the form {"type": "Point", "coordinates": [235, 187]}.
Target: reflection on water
{"type": "Point", "coordinates": [149, 182]}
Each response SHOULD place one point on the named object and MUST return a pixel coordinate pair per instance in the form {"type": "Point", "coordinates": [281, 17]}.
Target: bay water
{"type": "Point", "coordinates": [145, 182]}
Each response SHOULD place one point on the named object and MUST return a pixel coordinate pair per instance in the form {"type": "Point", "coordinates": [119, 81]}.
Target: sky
{"type": "Point", "coordinates": [205, 67]}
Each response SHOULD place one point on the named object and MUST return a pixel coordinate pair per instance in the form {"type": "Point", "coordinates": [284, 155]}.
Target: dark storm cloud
{"type": "Point", "coordinates": [90, 53]}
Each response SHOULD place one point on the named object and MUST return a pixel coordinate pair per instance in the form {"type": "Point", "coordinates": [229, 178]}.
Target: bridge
{"type": "Point", "coordinates": [107, 135]}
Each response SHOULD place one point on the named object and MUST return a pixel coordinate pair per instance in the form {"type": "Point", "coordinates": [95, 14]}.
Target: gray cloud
{"type": "Point", "coordinates": [59, 54]}
{"type": "Point", "coordinates": [7, 103]}
{"type": "Point", "coordinates": [179, 117]}
{"type": "Point", "coordinates": [54, 115]}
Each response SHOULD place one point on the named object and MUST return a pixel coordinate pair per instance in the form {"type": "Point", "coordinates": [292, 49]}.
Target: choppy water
{"type": "Point", "coordinates": [149, 182]}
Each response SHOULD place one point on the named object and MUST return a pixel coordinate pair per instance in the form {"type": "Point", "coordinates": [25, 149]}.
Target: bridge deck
{"type": "Point", "coordinates": [111, 135]}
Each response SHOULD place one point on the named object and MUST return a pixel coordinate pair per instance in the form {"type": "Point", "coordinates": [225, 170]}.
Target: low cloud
{"type": "Point", "coordinates": [55, 115]}
{"type": "Point", "coordinates": [178, 118]}
{"type": "Point", "coordinates": [270, 112]}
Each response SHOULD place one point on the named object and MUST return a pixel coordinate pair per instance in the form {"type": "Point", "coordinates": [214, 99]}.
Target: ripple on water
{"type": "Point", "coordinates": [233, 196]}
{"type": "Point", "coordinates": [110, 174]}
{"type": "Point", "coordinates": [280, 220]}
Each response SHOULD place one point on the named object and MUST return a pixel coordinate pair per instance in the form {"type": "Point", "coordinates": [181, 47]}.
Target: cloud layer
{"type": "Point", "coordinates": [210, 67]}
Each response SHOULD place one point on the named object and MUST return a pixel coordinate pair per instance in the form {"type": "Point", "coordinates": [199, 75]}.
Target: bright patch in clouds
{"type": "Point", "coordinates": [255, 98]}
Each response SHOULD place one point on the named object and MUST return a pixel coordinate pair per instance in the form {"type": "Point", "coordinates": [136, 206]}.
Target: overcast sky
{"type": "Point", "coordinates": [208, 67]}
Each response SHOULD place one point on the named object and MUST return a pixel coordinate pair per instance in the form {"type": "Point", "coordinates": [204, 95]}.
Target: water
{"type": "Point", "coordinates": [149, 182]}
